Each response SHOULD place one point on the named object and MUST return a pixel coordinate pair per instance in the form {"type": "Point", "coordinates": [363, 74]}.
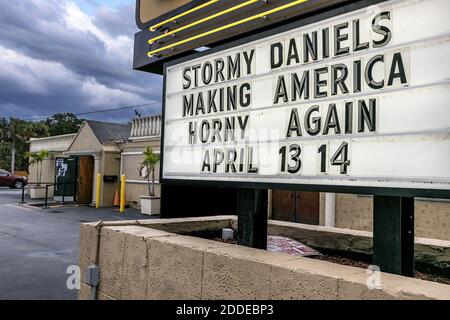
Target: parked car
{"type": "Point", "coordinates": [10, 180]}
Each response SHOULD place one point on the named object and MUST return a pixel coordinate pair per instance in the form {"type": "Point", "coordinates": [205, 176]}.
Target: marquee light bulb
{"type": "Point", "coordinates": [195, 23]}
{"type": "Point", "coordinates": [228, 26]}
{"type": "Point", "coordinates": [174, 18]}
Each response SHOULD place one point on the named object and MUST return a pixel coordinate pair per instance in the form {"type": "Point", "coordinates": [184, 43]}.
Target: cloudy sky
{"type": "Point", "coordinates": [71, 56]}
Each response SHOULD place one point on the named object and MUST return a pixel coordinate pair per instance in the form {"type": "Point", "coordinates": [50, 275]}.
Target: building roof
{"type": "Point", "coordinates": [53, 143]}
{"type": "Point", "coordinates": [107, 132]}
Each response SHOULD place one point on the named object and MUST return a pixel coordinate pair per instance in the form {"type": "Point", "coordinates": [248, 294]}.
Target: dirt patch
{"type": "Point", "coordinates": [343, 258]}
{"type": "Point", "coordinates": [339, 259]}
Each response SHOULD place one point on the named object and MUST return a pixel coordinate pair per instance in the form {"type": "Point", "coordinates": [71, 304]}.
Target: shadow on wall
{"type": "Point", "coordinates": [189, 201]}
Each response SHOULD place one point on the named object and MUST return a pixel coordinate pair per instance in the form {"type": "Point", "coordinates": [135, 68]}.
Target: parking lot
{"type": "Point", "coordinates": [38, 245]}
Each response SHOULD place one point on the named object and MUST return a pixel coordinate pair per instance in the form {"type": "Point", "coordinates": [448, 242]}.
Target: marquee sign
{"type": "Point", "coordinates": [360, 100]}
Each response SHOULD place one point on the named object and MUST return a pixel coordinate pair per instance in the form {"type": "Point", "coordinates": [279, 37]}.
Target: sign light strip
{"type": "Point", "coordinates": [236, 23]}
{"type": "Point", "coordinates": [154, 27]}
{"type": "Point", "coordinates": [221, 13]}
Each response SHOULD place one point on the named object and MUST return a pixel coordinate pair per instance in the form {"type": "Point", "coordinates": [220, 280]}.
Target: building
{"type": "Point", "coordinates": [56, 146]}
{"type": "Point", "coordinates": [104, 148]}
{"type": "Point", "coordinates": [97, 148]}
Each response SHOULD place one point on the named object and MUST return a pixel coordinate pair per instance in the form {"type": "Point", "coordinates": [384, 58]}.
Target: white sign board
{"type": "Point", "coordinates": [359, 100]}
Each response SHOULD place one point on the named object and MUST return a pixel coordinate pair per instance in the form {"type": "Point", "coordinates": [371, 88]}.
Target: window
{"type": "Point", "coordinates": [4, 173]}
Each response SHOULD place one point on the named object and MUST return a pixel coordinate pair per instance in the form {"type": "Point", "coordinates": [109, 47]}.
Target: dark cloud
{"type": "Point", "coordinates": [55, 58]}
{"type": "Point", "coordinates": [108, 19]}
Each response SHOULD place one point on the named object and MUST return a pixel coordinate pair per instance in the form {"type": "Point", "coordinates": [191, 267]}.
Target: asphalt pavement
{"type": "Point", "coordinates": [37, 246]}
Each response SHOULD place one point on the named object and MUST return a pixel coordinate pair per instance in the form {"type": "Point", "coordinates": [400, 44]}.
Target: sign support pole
{"type": "Point", "coordinates": [252, 218]}
{"type": "Point", "coordinates": [393, 235]}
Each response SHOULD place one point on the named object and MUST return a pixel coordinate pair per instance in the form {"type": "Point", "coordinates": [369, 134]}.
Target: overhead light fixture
{"type": "Point", "coordinates": [174, 18]}
{"type": "Point", "coordinates": [195, 23]}
{"type": "Point", "coordinates": [230, 25]}
{"type": "Point", "coordinates": [201, 49]}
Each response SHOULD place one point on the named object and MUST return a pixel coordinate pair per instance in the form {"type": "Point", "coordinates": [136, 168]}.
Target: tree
{"type": "Point", "coordinates": [63, 123]}
{"type": "Point", "coordinates": [26, 130]}
{"type": "Point", "coordinates": [14, 135]}
{"type": "Point", "coordinates": [147, 169]}
{"type": "Point", "coordinates": [5, 146]}
{"type": "Point", "coordinates": [37, 158]}
{"type": "Point", "coordinates": [5, 155]}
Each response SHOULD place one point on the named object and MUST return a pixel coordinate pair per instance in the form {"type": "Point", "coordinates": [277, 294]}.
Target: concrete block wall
{"type": "Point", "coordinates": [140, 262]}
{"type": "Point", "coordinates": [432, 218]}
{"type": "Point", "coordinates": [354, 212]}
{"type": "Point", "coordinates": [134, 191]}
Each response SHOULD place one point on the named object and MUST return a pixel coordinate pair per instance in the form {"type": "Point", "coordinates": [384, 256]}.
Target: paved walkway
{"type": "Point", "coordinates": [38, 245]}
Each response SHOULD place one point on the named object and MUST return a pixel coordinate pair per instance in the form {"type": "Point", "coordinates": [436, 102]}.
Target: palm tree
{"type": "Point", "coordinates": [37, 158]}
{"type": "Point", "coordinates": [149, 163]}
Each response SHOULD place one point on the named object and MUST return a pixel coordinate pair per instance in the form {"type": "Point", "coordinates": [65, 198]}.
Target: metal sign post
{"type": "Point", "coordinates": [252, 218]}
{"type": "Point", "coordinates": [393, 234]}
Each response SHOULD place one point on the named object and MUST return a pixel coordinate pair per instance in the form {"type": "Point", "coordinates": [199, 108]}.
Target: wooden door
{"type": "Point", "coordinates": [85, 179]}
{"type": "Point", "coordinates": [307, 207]}
{"type": "Point", "coordinates": [283, 205]}
{"type": "Point", "coordinates": [296, 206]}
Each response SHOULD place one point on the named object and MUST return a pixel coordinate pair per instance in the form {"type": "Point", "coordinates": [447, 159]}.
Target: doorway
{"type": "Point", "coordinates": [296, 206]}
{"type": "Point", "coordinates": [85, 179]}
{"type": "Point", "coordinates": [65, 178]}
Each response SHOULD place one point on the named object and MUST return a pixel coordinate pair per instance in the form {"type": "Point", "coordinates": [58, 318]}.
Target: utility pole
{"type": "Point", "coordinates": [13, 146]}
{"type": "Point", "coordinates": [13, 156]}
